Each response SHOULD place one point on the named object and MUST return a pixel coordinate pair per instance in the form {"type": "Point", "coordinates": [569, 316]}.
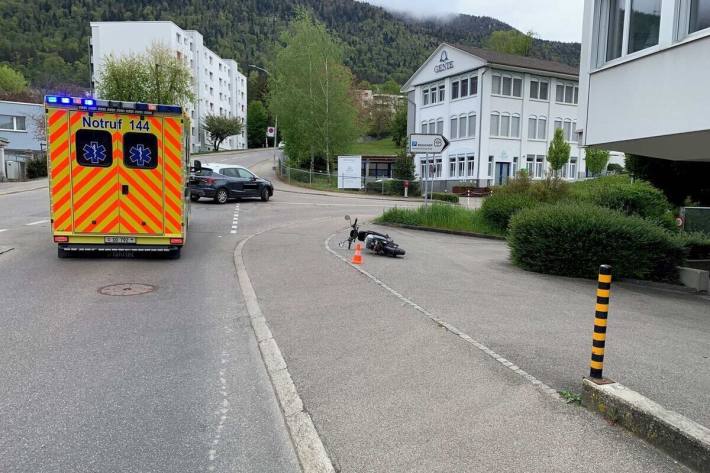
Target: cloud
{"type": "Point", "coordinates": [559, 20]}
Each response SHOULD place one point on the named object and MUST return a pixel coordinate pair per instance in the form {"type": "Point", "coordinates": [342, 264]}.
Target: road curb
{"type": "Point", "coordinates": [308, 445]}
{"type": "Point", "coordinates": [23, 190]}
{"type": "Point", "coordinates": [683, 439]}
{"type": "Point", "coordinates": [441, 230]}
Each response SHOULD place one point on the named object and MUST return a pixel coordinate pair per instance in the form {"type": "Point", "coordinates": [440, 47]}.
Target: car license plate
{"type": "Point", "coordinates": [120, 239]}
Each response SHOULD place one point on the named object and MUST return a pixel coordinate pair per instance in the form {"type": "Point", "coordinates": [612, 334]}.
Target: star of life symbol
{"type": "Point", "coordinates": [139, 155]}
{"type": "Point", "coordinates": [94, 152]}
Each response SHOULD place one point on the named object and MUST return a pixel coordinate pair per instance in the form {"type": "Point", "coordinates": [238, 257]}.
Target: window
{"type": "Point", "coordinates": [440, 126]}
{"type": "Point", "coordinates": [490, 166]}
{"type": "Point", "coordinates": [539, 166]}
{"type": "Point", "coordinates": [13, 123]}
{"type": "Point", "coordinates": [515, 166]}
{"type": "Point", "coordinates": [452, 167]}
{"type": "Point", "coordinates": [462, 166]}
{"type": "Point", "coordinates": [244, 174]}
{"type": "Point", "coordinates": [568, 130]}
{"type": "Point", "coordinates": [507, 86]}
{"type": "Point", "coordinates": [462, 126]}
{"type": "Point", "coordinates": [542, 128]}
{"type": "Point", "coordinates": [567, 93]}
{"type": "Point", "coordinates": [573, 168]}
{"type": "Point", "coordinates": [442, 93]}
{"type": "Point", "coordinates": [699, 15]}
{"type": "Point", "coordinates": [517, 87]}
{"type": "Point", "coordinates": [532, 128]}
{"type": "Point", "coordinates": [454, 128]}
{"type": "Point", "coordinates": [495, 85]}
{"type": "Point", "coordinates": [505, 124]}
{"type": "Point", "coordinates": [94, 148]}
{"type": "Point", "coordinates": [473, 88]}
{"type": "Point", "coordinates": [464, 88]}
{"type": "Point", "coordinates": [470, 165]}
{"type": "Point", "coordinates": [530, 165]}
{"type": "Point", "coordinates": [539, 89]}
{"type": "Point", "coordinates": [432, 95]}
{"type": "Point", "coordinates": [495, 124]}
{"type": "Point", "coordinates": [425, 96]}
{"type": "Point", "coordinates": [535, 165]}
{"type": "Point", "coordinates": [439, 165]}
{"type": "Point", "coordinates": [454, 90]}
{"type": "Point", "coordinates": [515, 126]}
{"type": "Point", "coordinates": [472, 125]}
{"type": "Point", "coordinates": [627, 26]}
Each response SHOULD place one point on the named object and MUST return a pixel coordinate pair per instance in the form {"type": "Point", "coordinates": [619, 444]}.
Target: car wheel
{"type": "Point", "coordinates": [194, 197]}
{"type": "Point", "coordinates": [221, 196]}
{"type": "Point", "coordinates": [264, 194]}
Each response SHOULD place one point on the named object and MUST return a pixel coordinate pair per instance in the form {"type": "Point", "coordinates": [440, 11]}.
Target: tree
{"type": "Point", "coordinates": [511, 42]}
{"type": "Point", "coordinates": [156, 76]}
{"type": "Point", "coordinates": [220, 128]}
{"type": "Point", "coordinates": [11, 81]}
{"type": "Point", "coordinates": [310, 92]}
{"type": "Point", "coordinates": [596, 159]}
{"type": "Point", "coordinates": [390, 87]}
{"type": "Point", "coordinates": [257, 122]}
{"type": "Point", "coordinates": [379, 118]}
{"type": "Point", "coordinates": [398, 128]}
{"type": "Point", "coordinates": [558, 154]}
{"type": "Point", "coordinates": [679, 180]}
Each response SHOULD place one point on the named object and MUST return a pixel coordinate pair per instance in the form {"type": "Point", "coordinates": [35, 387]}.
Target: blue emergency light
{"type": "Point", "coordinates": [103, 104]}
{"type": "Point", "coordinates": [65, 100]}
{"type": "Point", "coordinates": [88, 102]}
{"type": "Point", "coordinates": [52, 99]}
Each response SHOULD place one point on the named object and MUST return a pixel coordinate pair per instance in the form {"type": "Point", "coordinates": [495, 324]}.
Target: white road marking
{"type": "Point", "coordinates": [306, 442]}
{"type": "Point", "coordinates": [3, 230]}
{"type": "Point", "coordinates": [451, 328]}
{"type": "Point", "coordinates": [38, 222]}
{"type": "Point", "coordinates": [381, 206]}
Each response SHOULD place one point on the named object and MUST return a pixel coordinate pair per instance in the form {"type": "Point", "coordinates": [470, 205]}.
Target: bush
{"type": "Point", "coordinates": [37, 167]}
{"type": "Point", "coordinates": [450, 217]}
{"type": "Point", "coordinates": [392, 187]}
{"type": "Point", "coordinates": [619, 193]}
{"type": "Point", "coordinates": [574, 239]}
{"type": "Point", "coordinates": [445, 197]}
{"type": "Point", "coordinates": [696, 244]}
{"type": "Point", "coordinates": [501, 206]}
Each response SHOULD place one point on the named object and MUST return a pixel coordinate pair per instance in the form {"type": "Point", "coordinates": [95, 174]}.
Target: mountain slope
{"type": "Point", "coordinates": [48, 40]}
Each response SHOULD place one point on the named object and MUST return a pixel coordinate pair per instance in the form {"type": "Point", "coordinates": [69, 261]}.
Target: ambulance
{"type": "Point", "coordinates": [118, 175]}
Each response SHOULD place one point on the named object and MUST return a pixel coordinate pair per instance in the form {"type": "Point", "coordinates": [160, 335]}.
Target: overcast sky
{"type": "Point", "coordinates": [559, 20]}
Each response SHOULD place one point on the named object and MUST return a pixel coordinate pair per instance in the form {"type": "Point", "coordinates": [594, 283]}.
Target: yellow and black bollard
{"type": "Point", "coordinates": [600, 319]}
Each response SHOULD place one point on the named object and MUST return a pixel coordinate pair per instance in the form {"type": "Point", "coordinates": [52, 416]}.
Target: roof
{"type": "Point", "coordinates": [511, 60]}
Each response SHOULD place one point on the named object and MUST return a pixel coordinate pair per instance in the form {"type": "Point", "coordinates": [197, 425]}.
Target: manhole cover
{"type": "Point", "coordinates": [128, 289]}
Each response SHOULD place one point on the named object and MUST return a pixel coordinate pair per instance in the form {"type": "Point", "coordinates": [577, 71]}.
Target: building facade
{"type": "Point", "coordinates": [499, 112]}
{"type": "Point", "coordinates": [217, 83]}
{"type": "Point", "coordinates": [18, 128]}
{"type": "Point", "coordinates": [643, 77]}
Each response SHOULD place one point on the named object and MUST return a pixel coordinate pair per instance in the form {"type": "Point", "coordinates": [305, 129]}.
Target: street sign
{"type": "Point", "coordinates": [270, 132]}
{"type": "Point", "coordinates": [419, 144]}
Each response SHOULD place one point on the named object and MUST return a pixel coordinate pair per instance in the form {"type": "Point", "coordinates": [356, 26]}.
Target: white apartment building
{"type": "Point", "coordinates": [217, 83]}
{"type": "Point", "coordinates": [499, 111]}
{"type": "Point", "coordinates": [644, 77]}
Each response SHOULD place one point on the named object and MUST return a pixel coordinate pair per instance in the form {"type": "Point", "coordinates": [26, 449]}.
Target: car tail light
{"type": "Point", "coordinates": [61, 239]}
{"type": "Point", "coordinates": [176, 241]}
{"type": "Point", "coordinates": [209, 181]}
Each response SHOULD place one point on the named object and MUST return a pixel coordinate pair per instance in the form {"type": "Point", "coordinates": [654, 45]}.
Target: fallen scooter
{"type": "Point", "coordinates": [378, 243]}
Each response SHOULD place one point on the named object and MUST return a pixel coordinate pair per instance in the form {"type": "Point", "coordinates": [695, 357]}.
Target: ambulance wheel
{"type": "Point", "coordinates": [264, 194]}
{"type": "Point", "coordinates": [194, 197]}
{"type": "Point", "coordinates": [221, 196]}
{"type": "Point", "coordinates": [62, 253]}
{"type": "Point", "coordinates": [174, 254]}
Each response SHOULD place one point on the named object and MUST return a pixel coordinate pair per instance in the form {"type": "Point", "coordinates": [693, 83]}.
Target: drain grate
{"type": "Point", "coordinates": [127, 289]}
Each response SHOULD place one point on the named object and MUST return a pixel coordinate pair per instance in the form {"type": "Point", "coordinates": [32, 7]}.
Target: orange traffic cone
{"type": "Point", "coordinates": [357, 257]}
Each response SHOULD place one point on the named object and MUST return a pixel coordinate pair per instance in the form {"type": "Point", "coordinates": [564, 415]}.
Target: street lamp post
{"type": "Point", "coordinates": [276, 118]}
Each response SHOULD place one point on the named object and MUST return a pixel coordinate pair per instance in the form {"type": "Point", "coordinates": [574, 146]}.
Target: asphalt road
{"type": "Point", "coordinates": [172, 380]}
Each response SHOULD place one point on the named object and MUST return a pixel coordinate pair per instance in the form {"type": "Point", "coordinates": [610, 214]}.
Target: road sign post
{"type": "Point", "coordinates": [427, 145]}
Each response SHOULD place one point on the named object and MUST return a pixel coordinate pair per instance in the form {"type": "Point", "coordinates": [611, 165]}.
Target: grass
{"type": "Point", "coordinates": [570, 397]}
{"type": "Point", "coordinates": [383, 147]}
{"type": "Point", "coordinates": [441, 216]}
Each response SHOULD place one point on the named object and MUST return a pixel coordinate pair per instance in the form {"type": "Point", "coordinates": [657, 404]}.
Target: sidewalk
{"type": "Point", "coordinates": [390, 390]}
{"type": "Point", "coordinates": [16, 187]}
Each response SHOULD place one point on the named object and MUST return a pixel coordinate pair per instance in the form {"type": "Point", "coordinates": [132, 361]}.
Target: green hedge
{"type": "Point", "coordinates": [37, 167]}
{"type": "Point", "coordinates": [501, 206]}
{"type": "Point", "coordinates": [445, 197]}
{"type": "Point", "coordinates": [696, 244]}
{"type": "Point", "coordinates": [443, 216]}
{"type": "Point", "coordinates": [619, 193]}
{"type": "Point", "coordinates": [574, 239]}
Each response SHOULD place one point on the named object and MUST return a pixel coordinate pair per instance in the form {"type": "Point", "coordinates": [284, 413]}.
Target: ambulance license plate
{"type": "Point", "coordinates": [119, 239]}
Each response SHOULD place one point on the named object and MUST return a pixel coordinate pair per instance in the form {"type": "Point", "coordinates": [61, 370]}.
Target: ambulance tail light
{"type": "Point", "coordinates": [61, 239]}
{"type": "Point", "coordinates": [176, 241]}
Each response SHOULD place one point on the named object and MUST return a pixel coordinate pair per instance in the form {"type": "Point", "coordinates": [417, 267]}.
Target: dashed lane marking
{"type": "Point", "coordinates": [449, 327]}
{"type": "Point", "coordinates": [38, 222]}
{"type": "Point", "coordinates": [3, 230]}
{"type": "Point", "coordinates": [235, 221]}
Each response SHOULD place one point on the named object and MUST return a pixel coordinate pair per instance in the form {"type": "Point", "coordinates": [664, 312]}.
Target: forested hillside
{"type": "Point", "coordinates": [48, 40]}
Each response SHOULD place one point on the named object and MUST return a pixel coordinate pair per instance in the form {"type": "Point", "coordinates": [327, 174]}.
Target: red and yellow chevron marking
{"type": "Point", "coordinates": [142, 207]}
{"type": "Point", "coordinates": [95, 189]}
{"type": "Point", "coordinates": [174, 200]}
{"type": "Point", "coordinates": [59, 172]}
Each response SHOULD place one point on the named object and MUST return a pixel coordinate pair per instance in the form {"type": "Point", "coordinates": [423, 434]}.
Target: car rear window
{"type": "Point", "coordinates": [204, 172]}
